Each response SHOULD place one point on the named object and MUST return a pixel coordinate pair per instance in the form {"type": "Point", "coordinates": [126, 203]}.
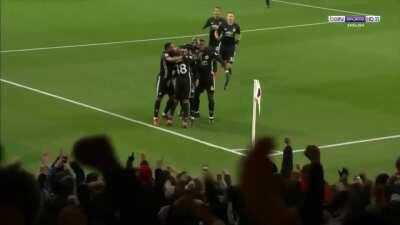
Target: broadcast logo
{"type": "Point", "coordinates": [354, 21]}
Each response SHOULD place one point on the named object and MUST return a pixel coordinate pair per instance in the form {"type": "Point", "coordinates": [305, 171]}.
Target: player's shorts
{"type": "Point", "coordinates": [227, 53]}
{"type": "Point", "coordinates": [214, 45]}
{"type": "Point", "coordinates": [206, 84]}
{"type": "Point", "coordinates": [183, 87]}
{"type": "Point", "coordinates": [164, 87]}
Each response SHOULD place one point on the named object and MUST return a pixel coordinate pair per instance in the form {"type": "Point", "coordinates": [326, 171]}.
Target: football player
{"type": "Point", "coordinates": [206, 82]}
{"type": "Point", "coordinates": [229, 36]}
{"type": "Point", "coordinates": [164, 79]}
{"type": "Point", "coordinates": [213, 23]}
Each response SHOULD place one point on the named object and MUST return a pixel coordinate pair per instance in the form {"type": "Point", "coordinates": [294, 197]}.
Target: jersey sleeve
{"type": "Point", "coordinates": [237, 29]}
{"type": "Point", "coordinates": [220, 29]}
{"type": "Point", "coordinates": [237, 36]}
{"type": "Point", "coordinates": [208, 23]}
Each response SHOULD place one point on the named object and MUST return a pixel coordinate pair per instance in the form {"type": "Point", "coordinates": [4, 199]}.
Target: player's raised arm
{"type": "Point", "coordinates": [171, 49]}
{"type": "Point", "coordinates": [208, 24]}
{"type": "Point", "coordinates": [173, 59]}
{"type": "Point", "coordinates": [217, 34]}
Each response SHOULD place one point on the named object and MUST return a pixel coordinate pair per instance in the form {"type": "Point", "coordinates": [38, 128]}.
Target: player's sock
{"type": "Point", "coordinates": [185, 109]}
{"type": "Point", "coordinates": [215, 66]}
{"type": "Point", "coordinates": [181, 113]}
{"type": "Point", "coordinates": [268, 3]}
{"type": "Point", "coordinates": [192, 108]}
{"type": "Point", "coordinates": [173, 107]}
{"type": "Point", "coordinates": [227, 79]}
{"type": "Point", "coordinates": [196, 103]}
{"type": "Point", "coordinates": [168, 106]}
{"type": "Point", "coordinates": [211, 104]}
{"type": "Point", "coordinates": [157, 105]}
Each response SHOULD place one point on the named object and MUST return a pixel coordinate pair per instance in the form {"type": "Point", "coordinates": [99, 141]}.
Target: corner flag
{"type": "Point", "coordinates": [257, 95]}
{"type": "Point", "coordinates": [256, 104]}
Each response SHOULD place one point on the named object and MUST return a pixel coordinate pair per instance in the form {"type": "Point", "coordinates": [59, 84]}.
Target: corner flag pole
{"type": "Point", "coordinates": [256, 103]}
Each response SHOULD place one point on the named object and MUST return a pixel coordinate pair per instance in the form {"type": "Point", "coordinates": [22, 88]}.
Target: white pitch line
{"type": "Point", "coordinates": [239, 149]}
{"type": "Point", "coordinates": [234, 151]}
{"type": "Point", "coordinates": [285, 27]}
{"type": "Point", "coordinates": [319, 7]}
{"type": "Point", "coordinates": [188, 36]}
{"type": "Point", "coordinates": [346, 143]}
{"type": "Point", "coordinates": [154, 39]}
{"type": "Point", "coordinates": [355, 142]}
{"type": "Point", "coordinates": [120, 116]}
{"type": "Point", "coordinates": [101, 43]}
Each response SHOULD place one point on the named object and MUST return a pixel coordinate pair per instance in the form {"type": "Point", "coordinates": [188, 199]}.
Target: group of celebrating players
{"type": "Point", "coordinates": [189, 70]}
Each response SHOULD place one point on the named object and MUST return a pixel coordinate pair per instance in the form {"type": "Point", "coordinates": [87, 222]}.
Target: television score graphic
{"type": "Point", "coordinates": [354, 21]}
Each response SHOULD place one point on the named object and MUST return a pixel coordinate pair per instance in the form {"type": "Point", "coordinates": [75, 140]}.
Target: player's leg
{"type": "Point", "coordinates": [228, 61]}
{"type": "Point", "coordinates": [223, 55]}
{"type": "Point", "coordinates": [168, 106]}
{"type": "Point", "coordinates": [196, 103]}
{"type": "Point", "coordinates": [177, 96]}
{"type": "Point", "coordinates": [268, 3]}
{"type": "Point", "coordinates": [181, 94]}
{"type": "Point", "coordinates": [170, 103]}
{"type": "Point", "coordinates": [173, 108]}
{"type": "Point", "coordinates": [186, 91]}
{"type": "Point", "coordinates": [215, 67]}
{"type": "Point", "coordinates": [219, 55]}
{"type": "Point", "coordinates": [215, 63]}
{"type": "Point", "coordinates": [228, 73]}
{"type": "Point", "coordinates": [211, 105]}
{"type": "Point", "coordinates": [168, 111]}
{"type": "Point", "coordinates": [200, 88]}
{"type": "Point", "coordinates": [192, 98]}
{"type": "Point", "coordinates": [226, 57]}
{"type": "Point", "coordinates": [157, 103]}
{"type": "Point", "coordinates": [185, 104]}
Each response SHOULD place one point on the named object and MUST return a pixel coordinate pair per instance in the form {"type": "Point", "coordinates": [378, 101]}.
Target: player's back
{"type": "Point", "coordinates": [166, 67]}
{"type": "Point", "coordinates": [205, 61]}
{"type": "Point", "coordinates": [184, 67]}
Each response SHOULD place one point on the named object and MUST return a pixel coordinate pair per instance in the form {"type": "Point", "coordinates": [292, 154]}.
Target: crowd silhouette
{"type": "Point", "coordinates": [63, 193]}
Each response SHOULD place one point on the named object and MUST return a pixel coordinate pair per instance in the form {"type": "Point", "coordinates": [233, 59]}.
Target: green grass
{"type": "Point", "coordinates": [322, 84]}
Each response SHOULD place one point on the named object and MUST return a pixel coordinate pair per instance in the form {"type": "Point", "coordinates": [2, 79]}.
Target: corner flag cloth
{"type": "Point", "coordinates": [256, 103]}
{"type": "Point", "coordinates": [257, 95]}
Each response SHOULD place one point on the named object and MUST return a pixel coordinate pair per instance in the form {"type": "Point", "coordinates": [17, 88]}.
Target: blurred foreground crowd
{"type": "Point", "coordinates": [62, 193]}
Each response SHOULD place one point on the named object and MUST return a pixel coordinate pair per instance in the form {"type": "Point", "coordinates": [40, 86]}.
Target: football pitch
{"type": "Point", "coordinates": [74, 68]}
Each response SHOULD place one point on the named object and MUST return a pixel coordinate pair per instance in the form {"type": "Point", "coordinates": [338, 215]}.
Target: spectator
{"type": "Point", "coordinates": [343, 184]}
{"type": "Point", "coordinates": [287, 160]}
{"type": "Point", "coordinates": [397, 167]}
{"type": "Point", "coordinates": [62, 194]}
{"type": "Point", "coordinates": [19, 196]}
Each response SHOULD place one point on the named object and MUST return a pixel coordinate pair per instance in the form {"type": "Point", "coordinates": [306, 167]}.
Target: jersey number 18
{"type": "Point", "coordinates": [181, 69]}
